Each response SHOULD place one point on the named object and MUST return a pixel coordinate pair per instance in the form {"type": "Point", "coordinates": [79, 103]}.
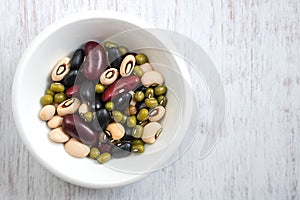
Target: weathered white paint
{"type": "Point", "coordinates": [255, 46]}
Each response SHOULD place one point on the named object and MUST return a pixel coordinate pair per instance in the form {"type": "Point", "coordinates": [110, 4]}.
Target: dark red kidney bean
{"type": "Point", "coordinates": [73, 91]}
{"type": "Point", "coordinates": [77, 59]}
{"type": "Point", "coordinates": [103, 117]}
{"type": "Point", "coordinates": [87, 91]}
{"type": "Point", "coordinates": [97, 104]}
{"type": "Point", "coordinates": [114, 57]}
{"type": "Point", "coordinates": [95, 63]}
{"type": "Point", "coordinates": [120, 86]}
{"type": "Point", "coordinates": [90, 46]}
{"type": "Point", "coordinates": [75, 127]}
{"type": "Point", "coordinates": [122, 101]}
{"type": "Point", "coordinates": [120, 150]}
{"type": "Point", "coordinates": [70, 78]}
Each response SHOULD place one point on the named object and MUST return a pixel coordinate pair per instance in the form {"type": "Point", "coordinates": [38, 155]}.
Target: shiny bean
{"type": "Point", "coordinates": [137, 131]}
{"type": "Point", "coordinates": [114, 57]}
{"type": "Point", "coordinates": [123, 50]}
{"type": "Point", "coordinates": [95, 125]}
{"type": "Point", "coordinates": [151, 132]}
{"type": "Point", "coordinates": [76, 148]}
{"type": "Point", "coordinates": [132, 110]}
{"type": "Point", "coordinates": [78, 129]}
{"type": "Point", "coordinates": [152, 78]}
{"type": "Point", "coordinates": [103, 158]}
{"type": "Point", "coordinates": [57, 87]}
{"type": "Point", "coordinates": [46, 100]}
{"type": "Point", "coordinates": [99, 88]}
{"type": "Point", "coordinates": [103, 117]}
{"type": "Point", "coordinates": [143, 114]}
{"type": "Point", "coordinates": [109, 76]}
{"type": "Point", "coordinates": [89, 46]}
{"type": "Point", "coordinates": [141, 58]}
{"type": "Point", "coordinates": [128, 134]}
{"type": "Point", "coordinates": [156, 113]}
{"type": "Point", "coordinates": [138, 71]}
{"type": "Point", "coordinates": [83, 108]}
{"type": "Point", "coordinates": [59, 97]}
{"type": "Point", "coordinates": [58, 135]}
{"type": "Point", "coordinates": [105, 147]}
{"type": "Point", "coordinates": [139, 96]}
{"type": "Point", "coordinates": [68, 106]}
{"type": "Point", "coordinates": [131, 121]}
{"type": "Point", "coordinates": [117, 116]}
{"type": "Point", "coordinates": [77, 59]}
{"type": "Point", "coordinates": [160, 90]}
{"type": "Point", "coordinates": [121, 150]}
{"type": "Point", "coordinates": [122, 101]}
{"type": "Point", "coordinates": [49, 92]}
{"type": "Point", "coordinates": [109, 106]}
{"type": "Point", "coordinates": [61, 69]}
{"type": "Point", "coordinates": [137, 148]}
{"type": "Point", "coordinates": [70, 78]}
{"type": "Point", "coordinates": [162, 100]}
{"type": "Point", "coordinates": [55, 121]}
{"type": "Point", "coordinates": [149, 93]}
{"type": "Point", "coordinates": [115, 130]}
{"type": "Point", "coordinates": [97, 103]}
{"type": "Point", "coordinates": [127, 65]}
{"type": "Point", "coordinates": [140, 105]}
{"type": "Point", "coordinates": [109, 44]}
{"type": "Point", "coordinates": [120, 86]}
{"type": "Point", "coordinates": [151, 102]}
{"type": "Point", "coordinates": [87, 91]}
{"type": "Point", "coordinates": [94, 63]}
{"type": "Point", "coordinates": [47, 112]}
{"type": "Point", "coordinates": [146, 67]}
{"type": "Point", "coordinates": [73, 91]}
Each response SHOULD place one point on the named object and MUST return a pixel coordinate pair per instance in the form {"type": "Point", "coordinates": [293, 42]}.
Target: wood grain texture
{"type": "Point", "coordinates": [255, 46]}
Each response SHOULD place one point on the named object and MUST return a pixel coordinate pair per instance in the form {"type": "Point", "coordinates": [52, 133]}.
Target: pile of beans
{"type": "Point", "coordinates": [104, 102]}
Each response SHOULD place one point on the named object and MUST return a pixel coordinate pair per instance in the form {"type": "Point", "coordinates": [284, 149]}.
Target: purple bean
{"type": "Point", "coordinates": [75, 127]}
{"type": "Point", "coordinates": [95, 62]}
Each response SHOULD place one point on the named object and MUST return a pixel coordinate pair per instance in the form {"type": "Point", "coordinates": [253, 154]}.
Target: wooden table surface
{"type": "Point", "coordinates": [255, 47]}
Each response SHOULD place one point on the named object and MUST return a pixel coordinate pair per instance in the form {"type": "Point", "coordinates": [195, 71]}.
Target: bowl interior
{"type": "Point", "coordinates": [31, 81]}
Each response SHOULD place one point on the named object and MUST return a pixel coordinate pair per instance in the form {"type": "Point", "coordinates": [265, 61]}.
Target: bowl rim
{"type": "Point", "coordinates": [86, 15]}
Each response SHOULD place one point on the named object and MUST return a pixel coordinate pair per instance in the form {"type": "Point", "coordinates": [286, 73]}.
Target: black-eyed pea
{"type": "Point", "coordinates": [115, 130]}
{"type": "Point", "coordinates": [146, 67]}
{"type": "Point", "coordinates": [109, 76]}
{"type": "Point", "coordinates": [156, 113]}
{"type": "Point", "coordinates": [58, 135]}
{"type": "Point", "coordinates": [55, 121]}
{"type": "Point", "coordinates": [151, 132]}
{"type": "Point", "coordinates": [127, 65]}
{"type": "Point", "coordinates": [68, 106]}
{"type": "Point", "coordinates": [152, 78]}
{"type": "Point", "coordinates": [61, 69]}
{"type": "Point", "coordinates": [47, 112]}
{"type": "Point", "coordinates": [83, 108]}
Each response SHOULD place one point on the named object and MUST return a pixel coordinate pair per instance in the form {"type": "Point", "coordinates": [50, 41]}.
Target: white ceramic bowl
{"type": "Point", "coordinates": [59, 40]}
